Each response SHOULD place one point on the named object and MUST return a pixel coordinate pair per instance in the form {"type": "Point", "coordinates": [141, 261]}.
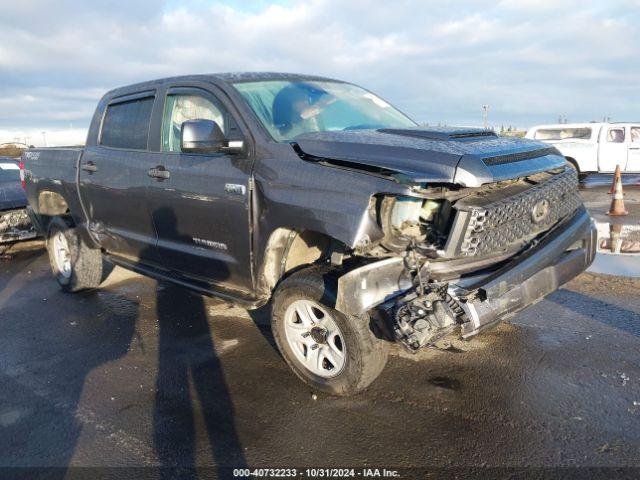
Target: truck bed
{"type": "Point", "coordinates": [51, 170]}
{"type": "Point", "coordinates": [59, 163]}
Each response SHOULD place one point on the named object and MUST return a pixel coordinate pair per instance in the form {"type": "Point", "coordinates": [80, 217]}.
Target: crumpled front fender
{"type": "Point", "coordinates": [366, 287]}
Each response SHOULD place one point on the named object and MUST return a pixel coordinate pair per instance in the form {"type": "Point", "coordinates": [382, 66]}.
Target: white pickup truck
{"type": "Point", "coordinates": [594, 147]}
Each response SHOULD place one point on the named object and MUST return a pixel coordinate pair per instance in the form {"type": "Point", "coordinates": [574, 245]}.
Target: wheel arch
{"type": "Point", "coordinates": [289, 249]}
{"type": "Point", "coordinates": [52, 203]}
{"type": "Point", "coordinates": [573, 162]}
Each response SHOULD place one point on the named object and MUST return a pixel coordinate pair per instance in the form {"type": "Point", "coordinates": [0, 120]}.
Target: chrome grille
{"type": "Point", "coordinates": [493, 226]}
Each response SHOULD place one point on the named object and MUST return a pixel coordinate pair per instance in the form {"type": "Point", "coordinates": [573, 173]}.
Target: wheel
{"type": "Point", "coordinates": [330, 351]}
{"type": "Point", "coordinates": [75, 265]}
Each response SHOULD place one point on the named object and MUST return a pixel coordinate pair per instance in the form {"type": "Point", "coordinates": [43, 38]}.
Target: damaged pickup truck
{"type": "Point", "coordinates": [315, 196]}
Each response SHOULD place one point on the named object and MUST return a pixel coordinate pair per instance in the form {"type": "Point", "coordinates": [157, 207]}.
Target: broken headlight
{"type": "Point", "coordinates": [407, 220]}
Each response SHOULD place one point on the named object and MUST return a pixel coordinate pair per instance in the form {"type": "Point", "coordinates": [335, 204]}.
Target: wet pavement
{"type": "Point", "coordinates": [618, 236]}
{"type": "Point", "coordinates": [144, 374]}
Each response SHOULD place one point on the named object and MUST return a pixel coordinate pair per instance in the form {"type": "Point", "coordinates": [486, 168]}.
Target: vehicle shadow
{"type": "Point", "coordinates": [606, 313]}
{"type": "Point", "coordinates": [190, 374]}
{"type": "Point", "coordinates": [46, 361]}
{"type": "Point", "coordinates": [190, 386]}
{"type": "Point", "coordinates": [261, 317]}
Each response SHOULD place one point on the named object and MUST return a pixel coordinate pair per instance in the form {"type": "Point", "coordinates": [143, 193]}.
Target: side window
{"type": "Point", "coordinates": [126, 124]}
{"type": "Point", "coordinates": [583, 133]}
{"type": "Point", "coordinates": [547, 134]}
{"type": "Point", "coordinates": [615, 135]}
{"type": "Point", "coordinates": [635, 134]}
{"type": "Point", "coordinates": [180, 108]}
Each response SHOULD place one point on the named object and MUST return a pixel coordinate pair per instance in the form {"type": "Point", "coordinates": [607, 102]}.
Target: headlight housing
{"type": "Point", "coordinates": [405, 220]}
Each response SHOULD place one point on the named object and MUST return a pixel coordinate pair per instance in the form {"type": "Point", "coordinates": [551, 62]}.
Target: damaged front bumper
{"type": "Point", "coordinates": [537, 273]}
{"type": "Point", "coordinates": [481, 300]}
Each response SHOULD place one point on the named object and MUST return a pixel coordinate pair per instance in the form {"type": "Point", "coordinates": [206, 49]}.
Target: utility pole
{"type": "Point", "coordinates": [485, 116]}
{"type": "Point", "coordinates": [44, 139]}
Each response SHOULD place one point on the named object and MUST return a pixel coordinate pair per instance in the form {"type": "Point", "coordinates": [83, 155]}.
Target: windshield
{"type": "Point", "coordinates": [288, 109]}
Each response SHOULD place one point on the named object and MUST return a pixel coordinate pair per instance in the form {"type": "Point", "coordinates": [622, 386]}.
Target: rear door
{"type": "Point", "coordinates": [201, 210]}
{"type": "Point", "coordinates": [613, 148]}
{"type": "Point", "coordinates": [633, 158]}
{"type": "Point", "coordinates": [114, 180]}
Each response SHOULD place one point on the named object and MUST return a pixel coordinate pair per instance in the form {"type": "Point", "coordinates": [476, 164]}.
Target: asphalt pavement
{"type": "Point", "coordinates": [143, 374]}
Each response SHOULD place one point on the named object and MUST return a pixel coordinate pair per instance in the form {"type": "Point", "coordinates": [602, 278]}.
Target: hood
{"type": "Point", "coordinates": [468, 157]}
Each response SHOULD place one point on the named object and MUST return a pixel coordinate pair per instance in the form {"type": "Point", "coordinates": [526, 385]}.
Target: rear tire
{"type": "Point", "coordinates": [340, 354]}
{"type": "Point", "coordinates": [75, 266]}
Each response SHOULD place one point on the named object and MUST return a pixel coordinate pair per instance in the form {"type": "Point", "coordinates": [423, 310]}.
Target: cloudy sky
{"type": "Point", "coordinates": [530, 60]}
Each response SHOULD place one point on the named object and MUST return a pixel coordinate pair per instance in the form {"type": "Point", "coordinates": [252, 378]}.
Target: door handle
{"type": "Point", "coordinates": [634, 148]}
{"type": "Point", "coordinates": [89, 167]}
{"type": "Point", "coordinates": [159, 173]}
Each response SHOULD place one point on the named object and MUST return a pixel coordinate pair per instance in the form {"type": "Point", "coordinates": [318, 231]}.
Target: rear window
{"type": "Point", "coordinates": [126, 124]}
{"type": "Point", "coordinates": [583, 133]}
{"type": "Point", "coordinates": [9, 171]}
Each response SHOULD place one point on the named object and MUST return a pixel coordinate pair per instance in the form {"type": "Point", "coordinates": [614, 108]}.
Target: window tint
{"type": "Point", "coordinates": [126, 124]}
{"type": "Point", "coordinates": [615, 135]}
{"type": "Point", "coordinates": [635, 134]}
{"type": "Point", "coordinates": [180, 108]}
{"type": "Point", "coordinates": [563, 133]}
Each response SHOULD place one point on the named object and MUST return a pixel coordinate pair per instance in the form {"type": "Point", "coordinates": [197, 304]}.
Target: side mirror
{"type": "Point", "coordinates": [206, 136]}
{"type": "Point", "coordinates": [201, 136]}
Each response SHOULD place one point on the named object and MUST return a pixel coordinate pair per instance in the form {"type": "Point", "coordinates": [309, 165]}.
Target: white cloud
{"type": "Point", "coordinates": [44, 136]}
{"type": "Point", "coordinates": [438, 61]}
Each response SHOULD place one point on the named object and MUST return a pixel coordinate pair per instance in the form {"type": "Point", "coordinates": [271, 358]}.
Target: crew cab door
{"type": "Point", "coordinates": [613, 148]}
{"type": "Point", "coordinates": [113, 180]}
{"type": "Point", "coordinates": [201, 207]}
{"type": "Point", "coordinates": [633, 158]}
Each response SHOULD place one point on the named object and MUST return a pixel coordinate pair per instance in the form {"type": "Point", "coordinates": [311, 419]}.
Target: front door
{"type": "Point", "coordinates": [613, 148]}
{"type": "Point", "coordinates": [201, 210]}
{"type": "Point", "coordinates": [633, 158]}
{"type": "Point", "coordinates": [114, 178]}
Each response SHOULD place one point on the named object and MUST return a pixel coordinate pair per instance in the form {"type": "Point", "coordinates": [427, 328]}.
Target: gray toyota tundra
{"type": "Point", "coordinates": [357, 226]}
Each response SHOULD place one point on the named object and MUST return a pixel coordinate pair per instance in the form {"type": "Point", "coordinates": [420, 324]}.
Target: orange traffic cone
{"type": "Point", "coordinates": [616, 177]}
{"type": "Point", "coordinates": [617, 204]}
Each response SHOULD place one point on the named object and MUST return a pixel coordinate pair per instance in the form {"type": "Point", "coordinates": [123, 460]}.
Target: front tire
{"type": "Point", "coordinates": [75, 266]}
{"type": "Point", "coordinates": [332, 352]}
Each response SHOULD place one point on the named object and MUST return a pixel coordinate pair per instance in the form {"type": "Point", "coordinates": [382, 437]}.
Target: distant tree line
{"type": "Point", "coordinates": [12, 151]}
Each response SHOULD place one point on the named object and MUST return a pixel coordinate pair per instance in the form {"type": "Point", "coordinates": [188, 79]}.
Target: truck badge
{"type": "Point", "coordinates": [235, 189]}
{"type": "Point", "coordinates": [540, 211]}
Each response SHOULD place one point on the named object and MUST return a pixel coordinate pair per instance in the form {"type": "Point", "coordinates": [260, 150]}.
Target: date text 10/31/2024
{"type": "Point", "coordinates": [316, 473]}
